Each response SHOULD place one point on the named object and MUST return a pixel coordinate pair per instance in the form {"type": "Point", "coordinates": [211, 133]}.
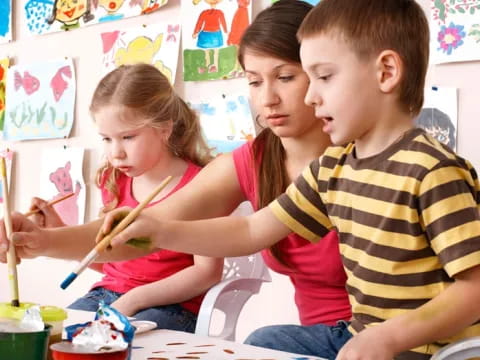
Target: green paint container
{"type": "Point", "coordinates": [26, 345]}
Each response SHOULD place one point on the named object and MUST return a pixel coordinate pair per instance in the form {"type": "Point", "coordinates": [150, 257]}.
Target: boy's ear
{"type": "Point", "coordinates": [389, 68]}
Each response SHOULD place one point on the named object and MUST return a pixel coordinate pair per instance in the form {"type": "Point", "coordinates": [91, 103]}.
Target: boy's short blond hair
{"type": "Point", "coordinates": [371, 26]}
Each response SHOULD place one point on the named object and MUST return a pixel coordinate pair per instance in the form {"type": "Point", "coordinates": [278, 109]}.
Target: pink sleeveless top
{"type": "Point", "coordinates": [123, 276]}
{"type": "Point", "coordinates": [315, 270]}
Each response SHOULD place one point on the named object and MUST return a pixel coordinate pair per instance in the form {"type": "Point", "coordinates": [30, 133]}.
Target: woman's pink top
{"type": "Point", "coordinates": [315, 270]}
{"type": "Point", "coordinates": [123, 276]}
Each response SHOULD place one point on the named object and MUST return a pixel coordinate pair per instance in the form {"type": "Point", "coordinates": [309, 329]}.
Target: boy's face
{"type": "Point", "coordinates": [343, 89]}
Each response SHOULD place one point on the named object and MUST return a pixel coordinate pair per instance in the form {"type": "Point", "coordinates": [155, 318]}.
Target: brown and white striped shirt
{"type": "Point", "coordinates": [407, 219]}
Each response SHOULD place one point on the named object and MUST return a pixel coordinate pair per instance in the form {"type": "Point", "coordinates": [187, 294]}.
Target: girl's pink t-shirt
{"type": "Point", "coordinates": [123, 276]}
{"type": "Point", "coordinates": [315, 270]}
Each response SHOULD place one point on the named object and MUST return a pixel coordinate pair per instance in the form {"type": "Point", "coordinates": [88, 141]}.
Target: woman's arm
{"type": "Point", "coordinates": [181, 286]}
{"type": "Point", "coordinates": [213, 192]}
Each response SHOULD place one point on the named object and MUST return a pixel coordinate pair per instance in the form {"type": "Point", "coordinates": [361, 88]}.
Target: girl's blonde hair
{"type": "Point", "coordinates": [143, 89]}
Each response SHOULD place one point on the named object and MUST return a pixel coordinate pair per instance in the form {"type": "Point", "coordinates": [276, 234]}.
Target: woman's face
{"type": "Point", "coordinates": [277, 92]}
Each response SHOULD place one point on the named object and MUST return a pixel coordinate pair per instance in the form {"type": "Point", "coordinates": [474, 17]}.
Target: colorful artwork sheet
{"type": "Point", "coordinates": [8, 156]}
{"type": "Point", "coordinates": [439, 115]}
{"type": "Point", "coordinates": [3, 85]}
{"type": "Point", "coordinates": [311, 2]}
{"type": "Point", "coordinates": [46, 16]}
{"type": "Point", "coordinates": [5, 21]}
{"type": "Point", "coordinates": [226, 121]}
{"type": "Point", "coordinates": [61, 174]}
{"type": "Point", "coordinates": [454, 30]}
{"type": "Point", "coordinates": [210, 38]}
{"type": "Point", "coordinates": [152, 44]}
{"type": "Point", "coordinates": [41, 100]}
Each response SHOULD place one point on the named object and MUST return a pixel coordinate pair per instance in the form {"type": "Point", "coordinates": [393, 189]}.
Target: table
{"type": "Point", "coordinates": [173, 345]}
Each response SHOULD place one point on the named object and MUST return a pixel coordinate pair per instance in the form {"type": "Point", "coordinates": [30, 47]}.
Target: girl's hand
{"type": "Point", "coordinates": [47, 217]}
{"type": "Point", "coordinates": [126, 304]}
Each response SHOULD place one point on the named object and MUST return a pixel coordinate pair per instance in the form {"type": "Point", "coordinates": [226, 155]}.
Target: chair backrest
{"type": "Point", "coordinates": [251, 266]}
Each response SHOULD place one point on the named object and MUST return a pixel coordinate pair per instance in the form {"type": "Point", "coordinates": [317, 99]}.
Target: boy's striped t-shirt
{"type": "Point", "coordinates": [407, 219]}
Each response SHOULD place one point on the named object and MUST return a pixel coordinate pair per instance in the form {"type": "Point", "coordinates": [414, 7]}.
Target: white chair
{"type": "Point", "coordinates": [460, 350]}
{"type": "Point", "coordinates": [242, 277]}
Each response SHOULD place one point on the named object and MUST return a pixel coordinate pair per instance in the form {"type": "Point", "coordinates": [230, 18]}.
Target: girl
{"type": "Point", "coordinates": [148, 133]}
{"type": "Point", "coordinates": [257, 172]}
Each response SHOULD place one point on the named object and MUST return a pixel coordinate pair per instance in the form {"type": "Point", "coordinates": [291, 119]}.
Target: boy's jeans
{"type": "Point", "coordinates": [172, 317]}
{"type": "Point", "coordinates": [316, 340]}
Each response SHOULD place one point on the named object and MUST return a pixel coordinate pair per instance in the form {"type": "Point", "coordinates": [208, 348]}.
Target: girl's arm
{"type": "Point", "coordinates": [444, 316]}
{"type": "Point", "coordinates": [181, 286]}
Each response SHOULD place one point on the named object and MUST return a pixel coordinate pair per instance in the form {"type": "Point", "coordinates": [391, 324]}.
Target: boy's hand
{"type": "Point", "coordinates": [134, 235]}
{"type": "Point", "coordinates": [47, 216]}
{"type": "Point", "coordinates": [28, 238]}
{"type": "Point", "coordinates": [368, 344]}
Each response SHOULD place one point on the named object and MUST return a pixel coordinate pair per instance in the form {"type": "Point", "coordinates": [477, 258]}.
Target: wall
{"type": "Point", "coordinates": [39, 279]}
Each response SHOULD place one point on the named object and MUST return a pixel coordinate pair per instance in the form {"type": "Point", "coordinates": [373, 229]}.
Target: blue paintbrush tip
{"type": "Point", "coordinates": [68, 280]}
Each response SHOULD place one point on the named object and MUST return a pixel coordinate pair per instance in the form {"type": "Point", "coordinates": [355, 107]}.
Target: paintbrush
{"type": "Point", "coordinates": [11, 256]}
{"type": "Point", "coordinates": [53, 202]}
{"type": "Point", "coordinates": [105, 242]}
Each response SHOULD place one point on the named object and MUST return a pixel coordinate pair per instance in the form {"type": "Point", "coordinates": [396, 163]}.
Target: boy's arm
{"type": "Point", "coordinates": [445, 315]}
{"type": "Point", "coordinates": [181, 286]}
{"type": "Point", "coordinates": [226, 236]}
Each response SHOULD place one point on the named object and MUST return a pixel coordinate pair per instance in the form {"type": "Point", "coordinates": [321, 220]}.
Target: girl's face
{"type": "Point", "coordinates": [277, 92]}
{"type": "Point", "coordinates": [69, 11]}
{"type": "Point", "coordinates": [131, 148]}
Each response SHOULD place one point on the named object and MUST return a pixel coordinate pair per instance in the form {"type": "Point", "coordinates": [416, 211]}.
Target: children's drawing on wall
{"type": "Point", "coordinates": [439, 115]}
{"type": "Point", "coordinates": [3, 84]}
{"type": "Point", "coordinates": [61, 175]}
{"type": "Point", "coordinates": [211, 33]}
{"type": "Point", "coordinates": [5, 21]}
{"type": "Point", "coordinates": [152, 44]}
{"type": "Point", "coordinates": [226, 121]}
{"type": "Point", "coordinates": [454, 30]}
{"type": "Point", "coordinates": [45, 16]}
{"type": "Point", "coordinates": [8, 156]}
{"type": "Point", "coordinates": [41, 100]}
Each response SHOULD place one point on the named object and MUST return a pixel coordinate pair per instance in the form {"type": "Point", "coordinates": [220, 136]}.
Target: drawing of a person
{"type": "Point", "coordinates": [69, 13]}
{"type": "Point", "coordinates": [208, 32]}
{"type": "Point", "coordinates": [112, 7]}
{"type": "Point", "coordinates": [437, 124]}
{"type": "Point", "coordinates": [240, 22]}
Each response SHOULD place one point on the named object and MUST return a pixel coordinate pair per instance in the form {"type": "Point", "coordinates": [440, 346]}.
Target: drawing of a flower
{"type": "Point", "coordinates": [450, 37]}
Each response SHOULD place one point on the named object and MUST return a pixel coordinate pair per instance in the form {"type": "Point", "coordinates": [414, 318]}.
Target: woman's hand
{"type": "Point", "coordinates": [29, 239]}
{"type": "Point", "coordinates": [46, 217]}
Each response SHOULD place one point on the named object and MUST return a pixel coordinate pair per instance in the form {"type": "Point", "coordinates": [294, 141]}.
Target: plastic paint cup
{"type": "Point", "coordinates": [51, 315]}
{"type": "Point", "coordinates": [25, 345]}
{"type": "Point", "coordinates": [67, 351]}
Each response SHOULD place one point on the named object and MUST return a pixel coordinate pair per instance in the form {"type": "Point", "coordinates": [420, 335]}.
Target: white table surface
{"type": "Point", "coordinates": [170, 345]}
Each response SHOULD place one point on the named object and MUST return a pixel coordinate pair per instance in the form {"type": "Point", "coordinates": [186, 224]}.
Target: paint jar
{"type": "Point", "coordinates": [65, 350]}
{"type": "Point", "coordinates": [51, 315]}
{"type": "Point", "coordinates": [24, 345]}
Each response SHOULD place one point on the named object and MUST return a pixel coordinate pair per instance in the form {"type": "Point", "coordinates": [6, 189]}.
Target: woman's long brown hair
{"type": "Point", "coordinates": [273, 33]}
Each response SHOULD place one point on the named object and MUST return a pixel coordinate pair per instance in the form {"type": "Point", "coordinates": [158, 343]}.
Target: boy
{"type": "Point", "coordinates": [405, 207]}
